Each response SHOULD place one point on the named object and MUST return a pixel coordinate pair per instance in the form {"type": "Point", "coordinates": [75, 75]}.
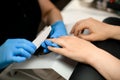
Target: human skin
{"type": "Point", "coordinates": [99, 31]}
{"type": "Point", "coordinates": [50, 13]}
{"type": "Point", "coordinates": [85, 52]}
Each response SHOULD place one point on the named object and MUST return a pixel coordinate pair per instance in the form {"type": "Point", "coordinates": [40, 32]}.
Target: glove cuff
{"type": "Point", "coordinates": [56, 23]}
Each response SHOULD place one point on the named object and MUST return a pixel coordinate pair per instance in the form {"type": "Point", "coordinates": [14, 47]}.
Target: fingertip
{"type": "Point", "coordinates": [33, 52]}
{"type": "Point", "coordinates": [48, 43]}
{"type": "Point", "coordinates": [29, 56]}
{"type": "Point", "coordinates": [55, 45]}
{"type": "Point", "coordinates": [85, 37]}
{"type": "Point", "coordinates": [75, 33]}
{"type": "Point", "coordinates": [71, 32]}
{"type": "Point", "coordinates": [51, 48]}
{"type": "Point", "coordinates": [46, 51]}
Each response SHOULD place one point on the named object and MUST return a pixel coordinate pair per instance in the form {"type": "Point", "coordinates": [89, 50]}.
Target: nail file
{"type": "Point", "coordinates": [42, 36]}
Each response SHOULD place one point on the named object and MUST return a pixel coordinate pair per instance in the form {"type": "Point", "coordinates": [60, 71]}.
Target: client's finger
{"type": "Point", "coordinates": [58, 41]}
{"type": "Point", "coordinates": [61, 51]}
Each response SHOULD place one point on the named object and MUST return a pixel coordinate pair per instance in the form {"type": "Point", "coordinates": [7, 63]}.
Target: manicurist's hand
{"type": "Point", "coordinates": [58, 30]}
{"type": "Point", "coordinates": [15, 50]}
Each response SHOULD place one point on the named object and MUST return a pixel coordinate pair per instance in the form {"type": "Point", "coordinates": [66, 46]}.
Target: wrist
{"type": "Point", "coordinates": [115, 32]}
{"type": "Point", "coordinates": [56, 23]}
{"type": "Point", "coordinates": [94, 57]}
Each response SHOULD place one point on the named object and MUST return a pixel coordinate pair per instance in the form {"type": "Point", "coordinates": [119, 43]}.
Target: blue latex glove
{"type": "Point", "coordinates": [58, 29]}
{"type": "Point", "coordinates": [15, 50]}
{"type": "Point", "coordinates": [48, 43]}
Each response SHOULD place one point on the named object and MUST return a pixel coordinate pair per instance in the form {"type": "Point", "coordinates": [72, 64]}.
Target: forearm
{"type": "Point", "coordinates": [50, 13]}
{"type": "Point", "coordinates": [53, 16]}
{"type": "Point", "coordinates": [106, 64]}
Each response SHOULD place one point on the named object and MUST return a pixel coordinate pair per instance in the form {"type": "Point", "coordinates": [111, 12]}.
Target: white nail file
{"type": "Point", "coordinates": [42, 36]}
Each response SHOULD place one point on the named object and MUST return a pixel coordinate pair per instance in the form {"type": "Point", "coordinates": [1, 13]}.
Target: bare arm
{"type": "Point", "coordinates": [52, 16]}
{"type": "Point", "coordinates": [106, 64]}
{"type": "Point", "coordinates": [50, 13]}
{"type": "Point", "coordinates": [85, 52]}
